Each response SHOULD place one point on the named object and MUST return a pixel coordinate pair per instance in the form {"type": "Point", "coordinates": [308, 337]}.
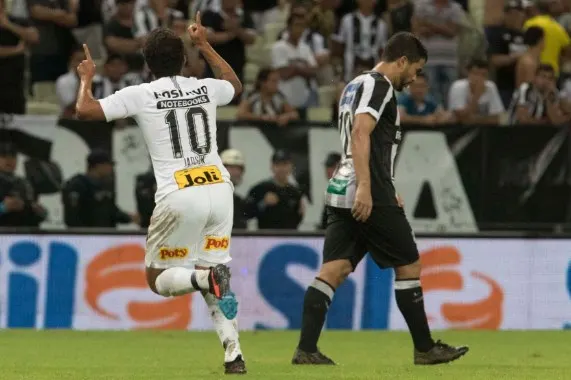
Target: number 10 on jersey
{"type": "Point", "coordinates": [197, 124]}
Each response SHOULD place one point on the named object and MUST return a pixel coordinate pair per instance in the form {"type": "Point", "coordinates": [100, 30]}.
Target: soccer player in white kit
{"type": "Point", "coordinates": [188, 241]}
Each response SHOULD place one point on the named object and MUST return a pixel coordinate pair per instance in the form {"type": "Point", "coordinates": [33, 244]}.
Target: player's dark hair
{"type": "Point", "coordinates": [533, 36]}
{"type": "Point", "coordinates": [544, 7]}
{"type": "Point", "coordinates": [545, 67]}
{"type": "Point", "coordinates": [478, 64]}
{"type": "Point", "coordinates": [404, 44]}
{"type": "Point", "coordinates": [263, 76]}
{"type": "Point", "coordinates": [164, 53]}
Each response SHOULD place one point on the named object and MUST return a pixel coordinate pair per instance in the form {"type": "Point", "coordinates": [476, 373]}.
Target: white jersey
{"type": "Point", "coordinates": [178, 119]}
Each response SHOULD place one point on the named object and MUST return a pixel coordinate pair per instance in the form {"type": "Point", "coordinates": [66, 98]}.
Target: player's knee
{"type": "Point", "coordinates": [335, 272]}
{"type": "Point", "coordinates": [408, 271]}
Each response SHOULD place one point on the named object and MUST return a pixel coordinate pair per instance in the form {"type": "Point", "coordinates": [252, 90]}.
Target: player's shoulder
{"type": "Point", "coordinates": [491, 85]}
{"type": "Point", "coordinates": [78, 181]}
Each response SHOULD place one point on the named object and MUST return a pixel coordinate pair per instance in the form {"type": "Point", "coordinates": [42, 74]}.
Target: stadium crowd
{"type": "Point", "coordinates": [490, 62]}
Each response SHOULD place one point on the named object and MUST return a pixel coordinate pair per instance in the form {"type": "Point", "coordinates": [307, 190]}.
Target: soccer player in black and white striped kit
{"type": "Point", "coordinates": [364, 212]}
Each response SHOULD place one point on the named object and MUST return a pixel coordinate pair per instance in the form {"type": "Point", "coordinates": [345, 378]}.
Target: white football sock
{"type": "Point", "coordinates": [227, 330]}
{"type": "Point", "coordinates": [178, 281]}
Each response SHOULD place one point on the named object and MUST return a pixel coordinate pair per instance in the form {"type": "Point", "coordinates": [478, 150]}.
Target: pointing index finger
{"type": "Point", "coordinates": [87, 53]}
{"type": "Point", "coordinates": [197, 21]}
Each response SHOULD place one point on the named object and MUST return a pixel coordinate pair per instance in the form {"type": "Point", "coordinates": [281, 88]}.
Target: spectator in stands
{"type": "Point", "coordinates": [18, 202]}
{"type": "Point", "coordinates": [505, 46]}
{"type": "Point", "coordinates": [537, 102]}
{"type": "Point", "coordinates": [145, 189]}
{"type": "Point", "coordinates": [54, 20]}
{"type": "Point", "coordinates": [331, 164]}
{"type": "Point", "coordinates": [262, 12]}
{"type": "Point", "coordinates": [527, 64]}
{"type": "Point", "coordinates": [156, 14]}
{"type": "Point", "coordinates": [67, 85]}
{"type": "Point", "coordinates": [417, 107]}
{"type": "Point", "coordinates": [230, 30]}
{"type": "Point", "coordinates": [89, 199]}
{"type": "Point", "coordinates": [360, 39]}
{"type": "Point", "coordinates": [266, 103]}
{"type": "Point", "coordinates": [557, 41]}
{"type": "Point", "coordinates": [233, 161]}
{"type": "Point", "coordinates": [113, 78]}
{"type": "Point", "coordinates": [297, 67]}
{"type": "Point", "coordinates": [399, 16]}
{"type": "Point", "coordinates": [119, 37]}
{"type": "Point", "coordinates": [315, 41]}
{"type": "Point", "coordinates": [322, 17]}
{"type": "Point", "coordinates": [204, 5]}
{"type": "Point", "coordinates": [476, 100]}
{"type": "Point", "coordinates": [195, 65]}
{"type": "Point", "coordinates": [277, 203]}
{"type": "Point", "coordinates": [437, 22]}
{"type": "Point", "coordinates": [89, 28]}
{"type": "Point", "coordinates": [15, 33]}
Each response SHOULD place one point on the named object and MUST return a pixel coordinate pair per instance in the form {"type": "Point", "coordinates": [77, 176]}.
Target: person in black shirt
{"type": "Point", "coordinates": [15, 33]}
{"type": "Point", "coordinates": [278, 204]}
{"type": "Point", "coordinates": [89, 199]}
{"type": "Point", "coordinates": [18, 201]}
{"type": "Point", "coordinates": [331, 164]}
{"type": "Point", "coordinates": [364, 213]}
{"type": "Point", "coordinates": [229, 31]}
{"type": "Point", "coordinates": [505, 46]}
{"type": "Point", "coordinates": [233, 161]}
{"type": "Point", "coordinates": [118, 36]}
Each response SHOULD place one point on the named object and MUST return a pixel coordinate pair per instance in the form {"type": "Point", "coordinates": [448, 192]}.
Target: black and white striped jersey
{"type": "Point", "coordinates": [529, 97]}
{"type": "Point", "coordinates": [363, 37]}
{"type": "Point", "coordinates": [146, 20]}
{"type": "Point", "coordinates": [370, 93]}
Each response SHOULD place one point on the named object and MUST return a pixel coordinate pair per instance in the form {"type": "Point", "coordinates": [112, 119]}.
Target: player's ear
{"type": "Point", "coordinates": [402, 62]}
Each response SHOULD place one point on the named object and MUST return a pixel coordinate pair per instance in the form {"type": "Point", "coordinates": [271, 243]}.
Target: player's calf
{"type": "Point", "coordinates": [177, 281]}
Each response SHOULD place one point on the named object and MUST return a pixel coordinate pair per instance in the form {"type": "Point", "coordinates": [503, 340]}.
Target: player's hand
{"type": "Point", "coordinates": [135, 218]}
{"type": "Point", "coordinates": [197, 33]}
{"type": "Point", "coordinates": [363, 203]}
{"type": "Point", "coordinates": [86, 68]}
{"type": "Point", "coordinates": [271, 199]}
{"type": "Point", "coordinates": [12, 204]}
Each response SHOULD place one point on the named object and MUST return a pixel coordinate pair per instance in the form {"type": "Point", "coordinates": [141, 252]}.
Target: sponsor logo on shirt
{"type": "Point", "coordinates": [204, 175]}
{"type": "Point", "coordinates": [213, 243]}
{"type": "Point", "coordinates": [173, 253]}
{"type": "Point", "coordinates": [182, 103]}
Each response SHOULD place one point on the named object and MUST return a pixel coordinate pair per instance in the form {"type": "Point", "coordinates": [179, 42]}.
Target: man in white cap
{"type": "Point", "coordinates": [233, 160]}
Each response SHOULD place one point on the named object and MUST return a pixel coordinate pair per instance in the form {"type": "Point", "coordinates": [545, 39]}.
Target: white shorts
{"type": "Point", "coordinates": [190, 227]}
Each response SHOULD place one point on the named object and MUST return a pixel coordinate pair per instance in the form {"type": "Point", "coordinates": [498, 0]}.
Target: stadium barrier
{"type": "Point", "coordinates": [92, 281]}
{"type": "Point", "coordinates": [452, 179]}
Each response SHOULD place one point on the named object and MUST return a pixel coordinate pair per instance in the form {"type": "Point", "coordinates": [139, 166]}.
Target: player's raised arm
{"type": "Point", "coordinates": [221, 68]}
{"type": "Point", "coordinates": [86, 106]}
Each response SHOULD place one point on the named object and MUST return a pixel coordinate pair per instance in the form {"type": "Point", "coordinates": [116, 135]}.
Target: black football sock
{"type": "Point", "coordinates": [315, 305]}
{"type": "Point", "coordinates": [410, 302]}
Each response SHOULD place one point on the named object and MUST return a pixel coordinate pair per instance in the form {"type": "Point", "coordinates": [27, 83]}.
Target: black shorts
{"type": "Point", "coordinates": [386, 235]}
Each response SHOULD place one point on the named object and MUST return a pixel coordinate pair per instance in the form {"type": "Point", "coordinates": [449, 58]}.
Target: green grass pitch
{"type": "Point", "coordinates": [63, 355]}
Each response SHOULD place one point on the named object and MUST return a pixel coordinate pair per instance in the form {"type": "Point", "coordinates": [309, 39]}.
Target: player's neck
{"type": "Point", "coordinates": [386, 69]}
{"type": "Point", "coordinates": [366, 12]}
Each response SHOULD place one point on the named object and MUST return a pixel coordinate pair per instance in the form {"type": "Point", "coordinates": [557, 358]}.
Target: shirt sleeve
{"type": "Point", "coordinates": [496, 105]}
{"type": "Point", "coordinates": [222, 91]}
{"type": "Point", "coordinates": [279, 56]}
{"type": "Point", "coordinates": [342, 34]}
{"type": "Point", "coordinates": [457, 96]}
{"type": "Point", "coordinates": [124, 103]}
{"type": "Point", "coordinates": [375, 94]}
